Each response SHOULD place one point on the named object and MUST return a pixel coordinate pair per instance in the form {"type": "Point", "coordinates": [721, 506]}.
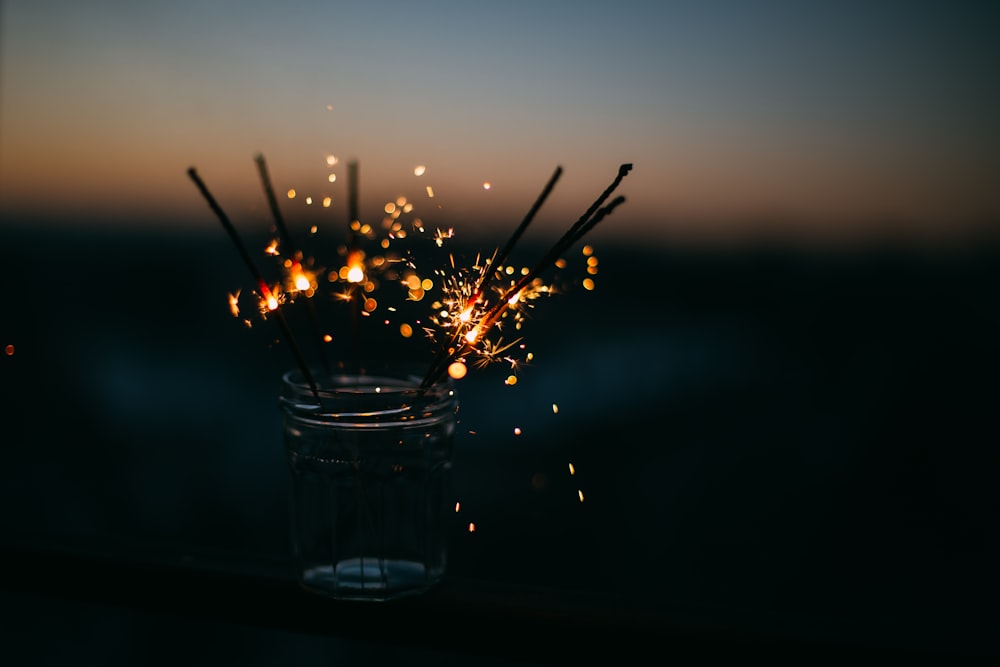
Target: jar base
{"type": "Point", "coordinates": [369, 579]}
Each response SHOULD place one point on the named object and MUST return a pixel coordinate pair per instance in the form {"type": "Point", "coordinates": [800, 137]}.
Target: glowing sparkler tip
{"type": "Point", "coordinates": [355, 274]}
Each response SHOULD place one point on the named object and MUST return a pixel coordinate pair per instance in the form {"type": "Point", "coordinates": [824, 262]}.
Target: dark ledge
{"type": "Point", "coordinates": [461, 616]}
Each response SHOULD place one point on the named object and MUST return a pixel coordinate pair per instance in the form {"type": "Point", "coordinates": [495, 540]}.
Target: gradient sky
{"type": "Point", "coordinates": [818, 120]}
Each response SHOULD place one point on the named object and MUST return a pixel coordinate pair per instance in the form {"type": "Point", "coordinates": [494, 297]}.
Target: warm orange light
{"type": "Point", "coordinates": [234, 305]}
{"type": "Point", "coordinates": [457, 370]}
{"type": "Point", "coordinates": [355, 274]}
{"type": "Point", "coordinates": [9, 350]}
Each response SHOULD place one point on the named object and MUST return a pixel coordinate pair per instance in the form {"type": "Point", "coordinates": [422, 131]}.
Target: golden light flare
{"type": "Point", "coordinates": [555, 409]}
{"type": "Point", "coordinates": [580, 494]}
{"type": "Point", "coordinates": [472, 527]}
{"type": "Point", "coordinates": [419, 170]}
{"type": "Point", "coordinates": [572, 469]}
{"type": "Point", "coordinates": [291, 193]}
{"type": "Point", "coordinates": [517, 430]}
{"type": "Point", "coordinates": [234, 303]}
{"type": "Point", "coordinates": [457, 370]}
{"type": "Point", "coordinates": [458, 506]}
{"type": "Point", "coordinates": [487, 185]}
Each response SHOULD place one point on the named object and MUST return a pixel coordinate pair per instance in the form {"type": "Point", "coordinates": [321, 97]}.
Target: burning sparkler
{"type": "Point", "coordinates": [465, 321]}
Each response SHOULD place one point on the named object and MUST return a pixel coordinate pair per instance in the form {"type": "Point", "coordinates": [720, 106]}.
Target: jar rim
{"type": "Point", "coordinates": [377, 392]}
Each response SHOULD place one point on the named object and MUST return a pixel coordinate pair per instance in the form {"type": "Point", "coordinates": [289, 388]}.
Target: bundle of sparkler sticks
{"type": "Point", "coordinates": [473, 302]}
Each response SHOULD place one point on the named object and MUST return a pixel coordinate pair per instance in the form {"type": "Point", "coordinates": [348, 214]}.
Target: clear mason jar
{"type": "Point", "coordinates": [370, 460]}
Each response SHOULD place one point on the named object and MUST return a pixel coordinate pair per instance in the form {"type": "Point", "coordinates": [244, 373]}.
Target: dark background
{"type": "Point", "coordinates": [798, 441]}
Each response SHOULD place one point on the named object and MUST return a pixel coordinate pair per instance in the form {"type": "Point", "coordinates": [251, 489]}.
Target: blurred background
{"type": "Point", "coordinates": [778, 400]}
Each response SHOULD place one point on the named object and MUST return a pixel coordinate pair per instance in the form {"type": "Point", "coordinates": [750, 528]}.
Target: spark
{"type": "Point", "coordinates": [580, 494]}
{"type": "Point", "coordinates": [9, 350]}
{"type": "Point", "coordinates": [572, 469]}
{"type": "Point", "coordinates": [555, 409]}
{"type": "Point", "coordinates": [234, 303]}
{"type": "Point", "coordinates": [419, 170]}
{"type": "Point", "coordinates": [472, 527]}
{"type": "Point", "coordinates": [517, 430]}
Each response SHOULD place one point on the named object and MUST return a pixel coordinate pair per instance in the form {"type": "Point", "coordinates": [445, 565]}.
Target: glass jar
{"type": "Point", "coordinates": [370, 457]}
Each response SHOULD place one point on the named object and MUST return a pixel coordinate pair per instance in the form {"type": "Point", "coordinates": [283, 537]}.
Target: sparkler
{"type": "Point", "coordinates": [271, 301]}
{"type": "Point", "coordinates": [296, 253]}
{"type": "Point", "coordinates": [472, 305]}
{"type": "Point", "coordinates": [479, 316]}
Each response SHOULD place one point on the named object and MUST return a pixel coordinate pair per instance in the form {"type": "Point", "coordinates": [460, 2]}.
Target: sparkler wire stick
{"type": "Point", "coordinates": [354, 247]}
{"type": "Point", "coordinates": [286, 237]}
{"type": "Point", "coordinates": [255, 272]}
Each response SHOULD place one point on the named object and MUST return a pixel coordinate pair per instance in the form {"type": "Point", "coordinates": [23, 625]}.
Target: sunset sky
{"type": "Point", "coordinates": [820, 120]}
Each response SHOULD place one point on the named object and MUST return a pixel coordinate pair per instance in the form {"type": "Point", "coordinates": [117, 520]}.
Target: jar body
{"type": "Point", "coordinates": [370, 458]}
